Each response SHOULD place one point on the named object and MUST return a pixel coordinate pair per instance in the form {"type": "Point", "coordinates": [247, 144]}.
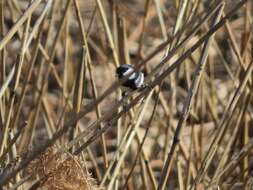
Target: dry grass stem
{"type": "Point", "coordinates": [66, 123]}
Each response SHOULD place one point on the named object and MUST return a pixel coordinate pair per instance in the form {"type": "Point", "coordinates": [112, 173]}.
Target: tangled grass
{"type": "Point", "coordinates": [65, 125]}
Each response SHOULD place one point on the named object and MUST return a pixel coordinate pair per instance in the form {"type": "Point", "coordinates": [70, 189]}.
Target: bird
{"type": "Point", "coordinates": [135, 79]}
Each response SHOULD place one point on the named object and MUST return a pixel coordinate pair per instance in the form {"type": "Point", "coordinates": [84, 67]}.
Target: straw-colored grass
{"type": "Point", "coordinates": [65, 125]}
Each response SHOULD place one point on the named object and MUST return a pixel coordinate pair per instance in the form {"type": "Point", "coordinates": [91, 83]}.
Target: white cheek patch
{"type": "Point", "coordinates": [139, 80]}
{"type": "Point", "coordinates": [129, 70]}
{"type": "Point", "coordinates": [132, 76]}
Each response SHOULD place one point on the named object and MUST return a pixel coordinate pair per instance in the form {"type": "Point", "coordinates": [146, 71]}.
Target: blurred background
{"type": "Point", "coordinates": [65, 125]}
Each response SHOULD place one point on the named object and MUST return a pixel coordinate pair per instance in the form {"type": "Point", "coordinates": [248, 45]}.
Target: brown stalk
{"type": "Point", "coordinates": [20, 22]}
{"type": "Point", "coordinates": [187, 105]}
{"type": "Point", "coordinates": [218, 136]}
{"type": "Point", "coordinates": [92, 79]}
{"type": "Point", "coordinates": [7, 174]}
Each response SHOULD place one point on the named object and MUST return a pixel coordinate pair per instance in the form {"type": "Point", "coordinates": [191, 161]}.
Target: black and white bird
{"type": "Point", "coordinates": [135, 80]}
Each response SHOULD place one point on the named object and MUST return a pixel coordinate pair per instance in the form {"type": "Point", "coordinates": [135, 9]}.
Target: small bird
{"type": "Point", "coordinates": [135, 80]}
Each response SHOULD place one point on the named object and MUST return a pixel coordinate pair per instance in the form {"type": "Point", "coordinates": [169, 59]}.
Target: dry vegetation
{"type": "Point", "coordinates": [64, 124]}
